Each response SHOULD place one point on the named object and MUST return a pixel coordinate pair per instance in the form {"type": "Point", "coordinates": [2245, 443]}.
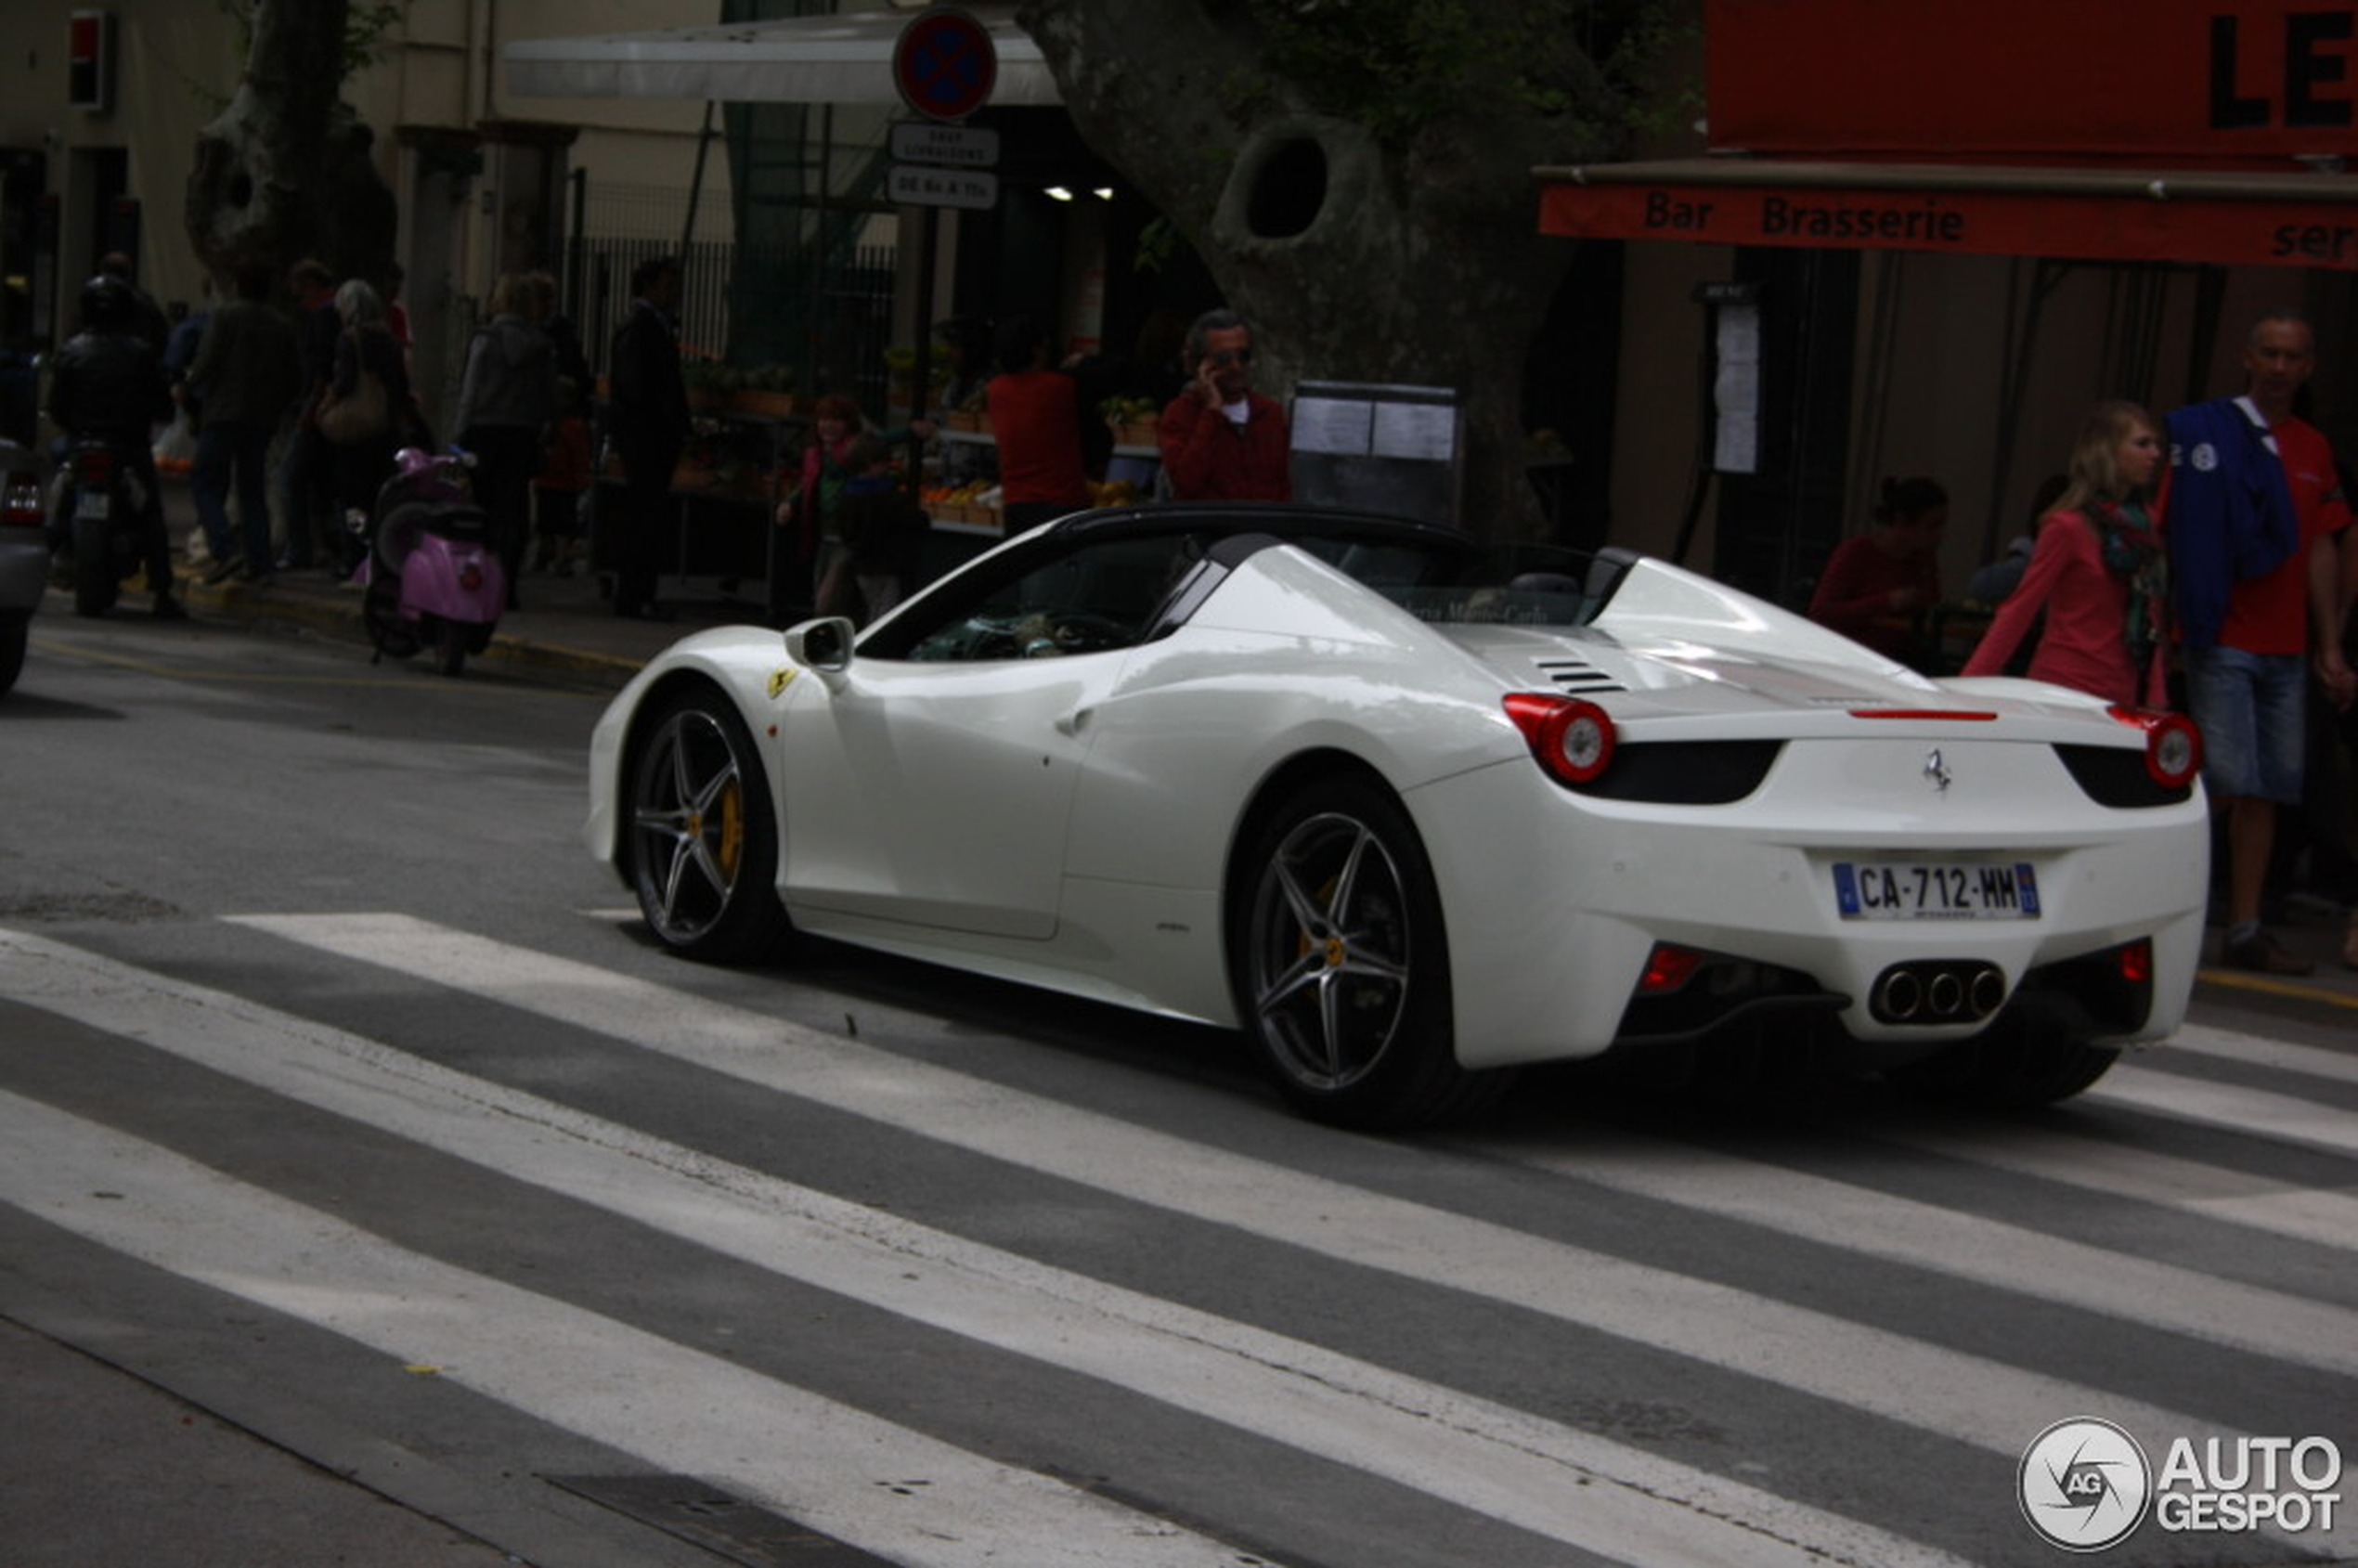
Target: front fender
{"type": "Point", "coordinates": [747, 665]}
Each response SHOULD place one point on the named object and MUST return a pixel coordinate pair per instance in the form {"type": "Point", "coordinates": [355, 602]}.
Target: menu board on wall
{"type": "Point", "coordinates": [1391, 449]}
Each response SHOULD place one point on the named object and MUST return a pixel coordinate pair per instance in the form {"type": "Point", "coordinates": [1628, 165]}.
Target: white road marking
{"type": "Point", "coordinates": [1971, 1398]}
{"type": "Point", "coordinates": [1536, 1474]}
{"type": "Point", "coordinates": [834, 1468]}
{"type": "Point", "coordinates": [2281, 1056]}
{"type": "Point", "coordinates": [2298, 1213]}
{"type": "Point", "coordinates": [2278, 1117]}
{"type": "Point", "coordinates": [2010, 1257]}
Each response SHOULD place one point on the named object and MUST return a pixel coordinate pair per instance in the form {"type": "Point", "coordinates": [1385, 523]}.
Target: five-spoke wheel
{"type": "Point", "coordinates": [1341, 968]}
{"type": "Point", "coordinates": [702, 843]}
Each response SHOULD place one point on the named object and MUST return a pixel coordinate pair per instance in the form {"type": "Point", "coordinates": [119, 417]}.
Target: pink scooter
{"type": "Point", "coordinates": [431, 579]}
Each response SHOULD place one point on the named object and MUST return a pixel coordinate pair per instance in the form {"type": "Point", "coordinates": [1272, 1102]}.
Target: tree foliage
{"type": "Point", "coordinates": [1399, 66]}
{"type": "Point", "coordinates": [367, 27]}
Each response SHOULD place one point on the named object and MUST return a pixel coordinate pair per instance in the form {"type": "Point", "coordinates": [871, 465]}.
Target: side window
{"type": "Point", "coordinates": [1093, 599]}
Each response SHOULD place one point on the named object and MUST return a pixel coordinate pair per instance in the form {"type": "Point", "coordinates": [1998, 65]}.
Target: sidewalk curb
{"type": "Point", "coordinates": [339, 618]}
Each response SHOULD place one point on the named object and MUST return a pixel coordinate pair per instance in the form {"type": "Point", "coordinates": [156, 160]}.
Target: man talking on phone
{"type": "Point", "coordinates": [1221, 440]}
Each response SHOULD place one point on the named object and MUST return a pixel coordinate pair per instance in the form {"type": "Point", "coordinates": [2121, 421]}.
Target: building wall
{"type": "Point", "coordinates": [177, 61]}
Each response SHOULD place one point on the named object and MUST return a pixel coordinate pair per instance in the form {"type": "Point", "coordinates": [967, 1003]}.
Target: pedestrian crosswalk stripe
{"type": "Point", "coordinates": [2281, 1056]}
{"type": "Point", "coordinates": [2279, 1116]}
{"type": "Point", "coordinates": [678, 1408]}
{"type": "Point", "coordinates": [1926, 1236]}
{"type": "Point", "coordinates": [1521, 1470]}
{"type": "Point", "coordinates": [2261, 1203]}
{"type": "Point", "coordinates": [1856, 1364]}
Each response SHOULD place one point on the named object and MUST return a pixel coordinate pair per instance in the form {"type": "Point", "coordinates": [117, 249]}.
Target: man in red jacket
{"type": "Point", "coordinates": [1221, 440]}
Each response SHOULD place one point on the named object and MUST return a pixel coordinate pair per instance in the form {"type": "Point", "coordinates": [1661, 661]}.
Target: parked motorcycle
{"type": "Point", "coordinates": [431, 581]}
{"type": "Point", "coordinates": [103, 514]}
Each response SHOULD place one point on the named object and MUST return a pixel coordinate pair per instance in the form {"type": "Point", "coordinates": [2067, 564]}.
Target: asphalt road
{"type": "Point", "coordinates": [372, 1192]}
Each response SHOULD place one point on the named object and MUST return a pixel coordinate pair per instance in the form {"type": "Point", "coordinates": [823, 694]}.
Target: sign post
{"type": "Point", "coordinates": [944, 67]}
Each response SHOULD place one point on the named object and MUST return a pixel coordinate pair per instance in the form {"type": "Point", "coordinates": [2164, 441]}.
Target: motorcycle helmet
{"type": "Point", "coordinates": [106, 303]}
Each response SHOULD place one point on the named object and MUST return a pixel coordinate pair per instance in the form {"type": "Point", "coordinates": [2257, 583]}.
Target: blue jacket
{"type": "Point", "coordinates": [2231, 513]}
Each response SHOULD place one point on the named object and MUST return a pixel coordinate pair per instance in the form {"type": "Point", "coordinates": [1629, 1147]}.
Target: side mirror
{"type": "Point", "coordinates": [824, 645]}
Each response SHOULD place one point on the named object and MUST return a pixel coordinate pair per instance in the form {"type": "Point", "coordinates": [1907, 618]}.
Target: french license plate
{"type": "Point", "coordinates": [96, 505]}
{"type": "Point", "coordinates": [1935, 890]}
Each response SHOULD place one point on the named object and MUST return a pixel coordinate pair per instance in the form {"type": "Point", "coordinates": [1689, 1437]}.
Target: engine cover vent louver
{"type": "Point", "coordinates": [1578, 676]}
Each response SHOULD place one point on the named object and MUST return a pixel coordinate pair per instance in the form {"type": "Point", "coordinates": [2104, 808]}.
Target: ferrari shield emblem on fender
{"type": "Point", "coordinates": [780, 680]}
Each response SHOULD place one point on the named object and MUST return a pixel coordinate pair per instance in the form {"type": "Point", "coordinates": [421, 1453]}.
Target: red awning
{"type": "Point", "coordinates": [2236, 219]}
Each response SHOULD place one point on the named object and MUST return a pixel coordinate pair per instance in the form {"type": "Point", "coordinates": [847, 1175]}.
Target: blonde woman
{"type": "Point", "coordinates": [2097, 571]}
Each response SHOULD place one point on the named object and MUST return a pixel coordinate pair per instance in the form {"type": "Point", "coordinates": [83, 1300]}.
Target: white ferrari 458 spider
{"type": "Point", "coordinates": [1411, 811]}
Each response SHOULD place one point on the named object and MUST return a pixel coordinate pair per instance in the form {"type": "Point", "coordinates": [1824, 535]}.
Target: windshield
{"type": "Point", "coordinates": [1109, 585]}
{"type": "Point", "coordinates": [1507, 585]}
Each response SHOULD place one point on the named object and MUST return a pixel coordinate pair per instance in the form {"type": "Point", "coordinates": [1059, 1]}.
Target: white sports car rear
{"type": "Point", "coordinates": [1412, 812]}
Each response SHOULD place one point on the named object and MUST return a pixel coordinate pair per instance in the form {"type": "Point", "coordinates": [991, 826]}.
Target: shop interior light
{"type": "Point", "coordinates": [1060, 193]}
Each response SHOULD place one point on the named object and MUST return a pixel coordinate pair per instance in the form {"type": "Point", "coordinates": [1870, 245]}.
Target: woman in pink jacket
{"type": "Point", "coordinates": [2097, 572]}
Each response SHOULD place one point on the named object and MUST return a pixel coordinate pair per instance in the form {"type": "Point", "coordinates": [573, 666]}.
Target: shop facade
{"type": "Point", "coordinates": [1941, 233]}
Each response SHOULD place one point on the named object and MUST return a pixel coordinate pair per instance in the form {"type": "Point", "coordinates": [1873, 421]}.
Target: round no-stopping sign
{"type": "Point", "coordinates": [944, 64]}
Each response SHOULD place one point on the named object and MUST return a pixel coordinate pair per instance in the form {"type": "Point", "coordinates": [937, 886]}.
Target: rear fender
{"type": "Point", "coordinates": [453, 581]}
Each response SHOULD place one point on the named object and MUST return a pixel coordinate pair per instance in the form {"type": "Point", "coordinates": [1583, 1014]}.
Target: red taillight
{"type": "Point", "coordinates": [93, 465]}
{"type": "Point", "coordinates": [2173, 747]}
{"type": "Point", "coordinates": [470, 576]}
{"type": "Point", "coordinates": [1572, 739]}
{"type": "Point", "coordinates": [1667, 968]}
{"type": "Point", "coordinates": [20, 501]}
{"type": "Point", "coordinates": [2137, 961]}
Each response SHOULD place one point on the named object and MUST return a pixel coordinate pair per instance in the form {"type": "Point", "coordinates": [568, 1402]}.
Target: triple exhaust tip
{"type": "Point", "coordinates": [1938, 992]}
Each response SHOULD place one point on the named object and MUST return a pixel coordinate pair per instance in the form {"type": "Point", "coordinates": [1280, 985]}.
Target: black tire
{"type": "Point", "coordinates": [700, 837]}
{"type": "Point", "coordinates": [1341, 964]}
{"type": "Point", "coordinates": [16, 628]}
{"type": "Point", "coordinates": [2035, 1053]}
{"type": "Point", "coordinates": [96, 579]}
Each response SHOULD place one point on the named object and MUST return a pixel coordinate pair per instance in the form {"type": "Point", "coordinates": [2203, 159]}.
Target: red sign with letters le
{"type": "Point", "coordinates": [2185, 83]}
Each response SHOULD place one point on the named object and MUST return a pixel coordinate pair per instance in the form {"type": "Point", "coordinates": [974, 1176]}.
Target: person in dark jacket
{"type": "Point", "coordinates": [108, 385]}
{"type": "Point", "coordinates": [2254, 505]}
{"type": "Point", "coordinates": [244, 384]}
{"type": "Point", "coordinates": [146, 317]}
{"type": "Point", "coordinates": [649, 423]}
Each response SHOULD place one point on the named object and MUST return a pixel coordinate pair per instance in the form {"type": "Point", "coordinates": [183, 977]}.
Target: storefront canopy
{"type": "Point", "coordinates": [2239, 218]}
{"type": "Point", "coordinates": [801, 59]}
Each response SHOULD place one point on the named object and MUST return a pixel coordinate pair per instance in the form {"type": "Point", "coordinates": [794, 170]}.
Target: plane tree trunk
{"type": "Point", "coordinates": [285, 171]}
{"type": "Point", "coordinates": [1362, 248]}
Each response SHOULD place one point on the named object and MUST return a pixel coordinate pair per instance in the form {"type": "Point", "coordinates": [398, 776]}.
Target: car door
{"type": "Point", "coordinates": [937, 789]}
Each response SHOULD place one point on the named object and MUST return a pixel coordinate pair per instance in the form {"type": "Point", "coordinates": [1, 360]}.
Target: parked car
{"type": "Point", "coordinates": [1411, 810]}
{"type": "Point", "coordinates": [24, 551]}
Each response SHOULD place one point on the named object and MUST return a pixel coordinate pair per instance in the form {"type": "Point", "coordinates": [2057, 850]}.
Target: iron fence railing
{"type": "Point", "coordinates": [824, 313]}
